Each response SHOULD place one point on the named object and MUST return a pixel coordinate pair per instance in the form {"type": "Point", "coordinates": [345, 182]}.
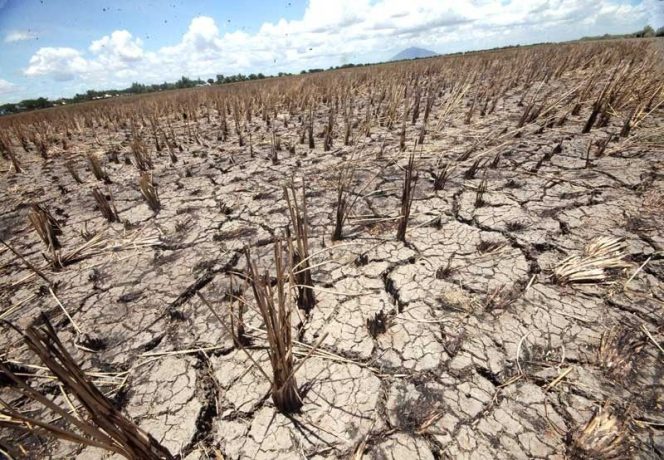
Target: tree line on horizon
{"type": "Point", "coordinates": [141, 88]}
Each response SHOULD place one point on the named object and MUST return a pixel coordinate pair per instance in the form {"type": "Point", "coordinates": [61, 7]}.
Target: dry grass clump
{"type": "Point", "coordinates": [141, 159]}
{"type": "Point", "coordinates": [95, 422]}
{"type": "Point", "coordinates": [479, 193]}
{"type": "Point", "coordinates": [149, 192]}
{"type": "Point", "coordinates": [592, 266]}
{"type": "Point", "coordinates": [653, 202]}
{"type": "Point", "coordinates": [407, 194]}
{"type": "Point", "coordinates": [487, 246]}
{"type": "Point", "coordinates": [46, 226]}
{"type": "Point", "coordinates": [342, 206]}
{"type": "Point", "coordinates": [301, 261]}
{"type": "Point", "coordinates": [97, 168]}
{"type": "Point", "coordinates": [106, 205]}
{"type": "Point", "coordinates": [238, 332]}
{"type": "Point", "coordinates": [440, 177]}
{"type": "Point", "coordinates": [618, 351]}
{"type": "Point", "coordinates": [72, 170]}
{"type": "Point", "coordinates": [275, 301]}
{"type": "Point", "coordinates": [99, 243]}
{"type": "Point", "coordinates": [606, 436]}
{"type": "Point", "coordinates": [62, 258]}
{"type": "Point", "coordinates": [7, 150]}
{"type": "Point", "coordinates": [276, 315]}
{"type": "Point", "coordinates": [472, 170]}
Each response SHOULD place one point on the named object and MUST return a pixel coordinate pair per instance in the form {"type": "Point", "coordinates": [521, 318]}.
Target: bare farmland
{"type": "Point", "coordinates": [454, 257]}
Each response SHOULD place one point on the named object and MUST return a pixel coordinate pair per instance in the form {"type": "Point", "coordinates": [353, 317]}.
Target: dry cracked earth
{"type": "Point", "coordinates": [458, 343]}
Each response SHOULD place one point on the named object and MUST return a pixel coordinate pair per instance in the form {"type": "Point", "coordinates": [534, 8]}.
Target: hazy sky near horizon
{"type": "Point", "coordinates": [57, 48]}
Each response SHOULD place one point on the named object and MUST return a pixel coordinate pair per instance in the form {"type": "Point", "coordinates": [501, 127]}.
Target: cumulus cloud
{"type": "Point", "coordinates": [6, 86]}
{"type": "Point", "coordinates": [330, 33]}
{"type": "Point", "coordinates": [19, 36]}
{"type": "Point", "coordinates": [60, 63]}
{"type": "Point", "coordinates": [118, 48]}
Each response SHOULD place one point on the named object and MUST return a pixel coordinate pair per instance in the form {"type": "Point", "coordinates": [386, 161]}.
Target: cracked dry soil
{"type": "Point", "coordinates": [476, 350]}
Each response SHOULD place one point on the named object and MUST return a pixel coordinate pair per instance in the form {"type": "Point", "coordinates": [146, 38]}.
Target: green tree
{"type": "Point", "coordinates": [646, 32]}
{"type": "Point", "coordinates": [39, 103]}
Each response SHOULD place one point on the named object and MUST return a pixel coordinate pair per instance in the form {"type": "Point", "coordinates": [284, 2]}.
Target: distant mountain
{"type": "Point", "coordinates": [413, 53]}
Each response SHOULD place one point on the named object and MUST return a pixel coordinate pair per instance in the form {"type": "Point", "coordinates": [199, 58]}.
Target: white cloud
{"type": "Point", "coordinates": [118, 48]}
{"type": "Point", "coordinates": [19, 35]}
{"type": "Point", "coordinates": [331, 33]}
{"type": "Point", "coordinates": [6, 87]}
{"type": "Point", "coordinates": [61, 63]}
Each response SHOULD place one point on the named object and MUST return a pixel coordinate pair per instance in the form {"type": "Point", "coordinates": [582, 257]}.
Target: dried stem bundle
{"type": "Point", "coordinates": [46, 226]}
{"type": "Point", "coordinates": [344, 182]}
{"type": "Point", "coordinates": [106, 205]}
{"type": "Point", "coordinates": [600, 255]}
{"type": "Point", "coordinates": [481, 190]}
{"type": "Point", "coordinates": [277, 318]}
{"type": "Point", "coordinates": [149, 192]}
{"type": "Point", "coordinates": [101, 425]}
{"type": "Point", "coordinates": [410, 180]}
{"type": "Point", "coordinates": [605, 436]}
{"type": "Point", "coordinates": [300, 229]}
{"type": "Point", "coordinates": [97, 168]}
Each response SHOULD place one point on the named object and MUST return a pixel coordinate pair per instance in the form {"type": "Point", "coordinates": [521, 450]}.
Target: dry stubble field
{"type": "Point", "coordinates": [519, 316]}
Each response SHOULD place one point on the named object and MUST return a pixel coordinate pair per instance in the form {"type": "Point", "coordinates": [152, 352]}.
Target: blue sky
{"type": "Point", "coordinates": [56, 48]}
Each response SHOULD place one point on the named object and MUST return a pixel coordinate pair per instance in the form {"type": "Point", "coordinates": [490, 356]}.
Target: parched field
{"type": "Point", "coordinates": [476, 271]}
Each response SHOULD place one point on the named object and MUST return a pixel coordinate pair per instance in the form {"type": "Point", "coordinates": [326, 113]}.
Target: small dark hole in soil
{"type": "Point", "coordinates": [152, 344]}
{"type": "Point", "coordinates": [490, 376]}
{"type": "Point", "coordinates": [225, 209]}
{"type": "Point", "coordinates": [92, 342]}
{"type": "Point", "coordinates": [94, 275]}
{"type": "Point", "coordinates": [14, 368]}
{"type": "Point", "coordinates": [361, 260]}
{"type": "Point", "coordinates": [543, 247]}
{"type": "Point", "coordinates": [262, 196]}
{"type": "Point", "coordinates": [121, 398]}
{"type": "Point", "coordinates": [378, 324]}
{"type": "Point", "coordinates": [487, 246]}
{"type": "Point", "coordinates": [130, 297]}
{"type": "Point", "coordinates": [203, 265]}
{"type": "Point", "coordinates": [513, 184]}
{"type": "Point", "coordinates": [564, 228]}
{"type": "Point", "coordinates": [515, 226]}
{"type": "Point", "coordinates": [444, 272]}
